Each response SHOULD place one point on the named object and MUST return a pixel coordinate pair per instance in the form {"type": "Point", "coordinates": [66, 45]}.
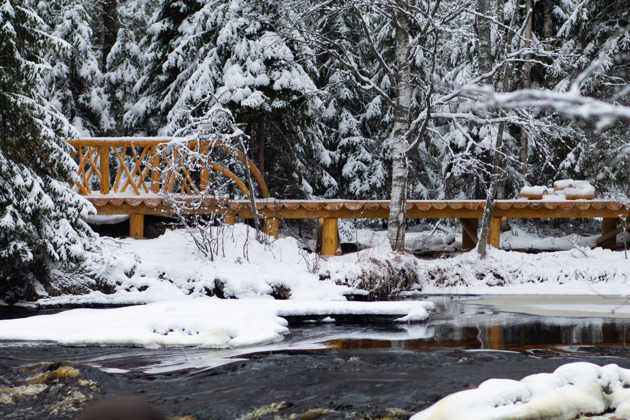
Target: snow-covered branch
{"type": "Point", "coordinates": [571, 103]}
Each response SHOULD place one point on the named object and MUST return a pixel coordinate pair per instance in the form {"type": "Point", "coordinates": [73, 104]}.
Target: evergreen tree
{"type": "Point", "coordinates": [76, 83]}
{"type": "Point", "coordinates": [42, 235]}
{"type": "Point", "coordinates": [123, 71]}
{"type": "Point", "coordinates": [356, 121]}
{"type": "Point", "coordinates": [593, 31]}
{"type": "Point", "coordinates": [235, 52]}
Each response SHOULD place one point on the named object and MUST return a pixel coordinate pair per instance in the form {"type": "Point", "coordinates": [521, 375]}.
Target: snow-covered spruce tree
{"type": "Point", "coordinates": [136, 14]}
{"type": "Point", "coordinates": [76, 84]}
{"type": "Point", "coordinates": [593, 29]}
{"type": "Point", "coordinates": [236, 51]}
{"type": "Point", "coordinates": [123, 72]}
{"type": "Point", "coordinates": [43, 240]}
{"type": "Point", "coordinates": [355, 120]}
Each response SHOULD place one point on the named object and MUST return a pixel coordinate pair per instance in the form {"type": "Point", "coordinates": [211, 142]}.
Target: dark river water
{"type": "Point", "coordinates": [320, 370]}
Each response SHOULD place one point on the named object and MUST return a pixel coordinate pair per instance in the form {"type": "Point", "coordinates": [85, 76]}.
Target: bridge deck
{"type": "Point", "coordinates": [468, 212]}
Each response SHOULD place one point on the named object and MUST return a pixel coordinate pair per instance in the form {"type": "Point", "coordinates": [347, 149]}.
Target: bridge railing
{"type": "Point", "coordinates": [140, 166]}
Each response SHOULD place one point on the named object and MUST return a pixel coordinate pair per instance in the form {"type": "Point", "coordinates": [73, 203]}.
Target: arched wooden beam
{"type": "Point", "coordinates": [220, 145]}
{"type": "Point", "coordinates": [231, 175]}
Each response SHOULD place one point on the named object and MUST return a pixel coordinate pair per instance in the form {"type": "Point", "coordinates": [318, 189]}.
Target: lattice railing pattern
{"type": "Point", "coordinates": [137, 166]}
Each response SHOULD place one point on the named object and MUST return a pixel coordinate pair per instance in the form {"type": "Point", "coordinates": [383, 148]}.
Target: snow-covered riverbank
{"type": "Point", "coordinates": [189, 298]}
{"type": "Point", "coordinates": [170, 268]}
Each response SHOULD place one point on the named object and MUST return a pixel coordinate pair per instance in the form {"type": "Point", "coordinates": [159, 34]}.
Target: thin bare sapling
{"type": "Point", "coordinates": [199, 174]}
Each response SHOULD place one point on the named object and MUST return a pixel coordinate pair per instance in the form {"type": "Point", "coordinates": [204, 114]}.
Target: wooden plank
{"type": "Point", "coordinates": [494, 238]}
{"type": "Point", "coordinates": [136, 226]}
{"type": "Point", "coordinates": [155, 167]}
{"type": "Point", "coordinates": [609, 233]}
{"type": "Point", "coordinates": [330, 237]}
{"type": "Point", "coordinates": [469, 233]}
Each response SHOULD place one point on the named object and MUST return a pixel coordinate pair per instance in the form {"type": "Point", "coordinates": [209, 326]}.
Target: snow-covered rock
{"type": "Point", "coordinates": [571, 390]}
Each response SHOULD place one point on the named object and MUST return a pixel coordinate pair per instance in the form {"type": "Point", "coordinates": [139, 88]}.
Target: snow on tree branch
{"type": "Point", "coordinates": [571, 103]}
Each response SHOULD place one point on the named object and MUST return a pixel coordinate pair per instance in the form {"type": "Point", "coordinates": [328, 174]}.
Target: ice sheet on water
{"type": "Point", "coordinates": [205, 322]}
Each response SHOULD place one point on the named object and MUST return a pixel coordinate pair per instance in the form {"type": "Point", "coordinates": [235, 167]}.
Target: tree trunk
{"type": "Point", "coordinates": [548, 24]}
{"type": "Point", "coordinates": [261, 144]}
{"type": "Point", "coordinates": [110, 28]}
{"type": "Point", "coordinates": [398, 205]}
{"type": "Point", "coordinates": [527, 82]}
{"type": "Point", "coordinates": [483, 35]}
{"type": "Point", "coordinates": [502, 42]}
{"type": "Point", "coordinates": [497, 182]}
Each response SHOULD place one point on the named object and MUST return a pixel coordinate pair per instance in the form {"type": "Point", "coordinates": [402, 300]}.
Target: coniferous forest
{"type": "Point", "coordinates": [332, 95]}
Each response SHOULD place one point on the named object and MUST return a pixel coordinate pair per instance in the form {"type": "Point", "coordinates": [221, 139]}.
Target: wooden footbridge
{"type": "Point", "coordinates": [144, 180]}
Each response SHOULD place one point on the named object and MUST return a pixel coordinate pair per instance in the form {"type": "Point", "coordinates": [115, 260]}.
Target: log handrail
{"type": "Point", "coordinates": [139, 175]}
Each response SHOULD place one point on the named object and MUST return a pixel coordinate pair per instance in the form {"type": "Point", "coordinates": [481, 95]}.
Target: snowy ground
{"type": "Point", "coordinates": [171, 268]}
{"type": "Point", "coordinates": [580, 306]}
{"type": "Point", "coordinates": [576, 269]}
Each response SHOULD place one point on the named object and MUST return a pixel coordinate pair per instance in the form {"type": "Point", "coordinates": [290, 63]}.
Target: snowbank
{"type": "Point", "coordinates": [579, 271]}
{"type": "Point", "coordinates": [170, 267]}
{"type": "Point", "coordinates": [205, 322]}
{"type": "Point", "coordinates": [571, 390]}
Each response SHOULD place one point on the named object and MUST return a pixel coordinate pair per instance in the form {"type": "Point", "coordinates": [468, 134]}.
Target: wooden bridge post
{"type": "Point", "coordinates": [494, 238]}
{"type": "Point", "coordinates": [330, 237]}
{"type": "Point", "coordinates": [103, 154]}
{"type": "Point", "coordinates": [469, 233]}
{"type": "Point", "coordinates": [272, 227]}
{"type": "Point", "coordinates": [609, 233]}
{"type": "Point", "coordinates": [155, 175]}
{"type": "Point", "coordinates": [136, 225]}
{"type": "Point", "coordinates": [204, 180]}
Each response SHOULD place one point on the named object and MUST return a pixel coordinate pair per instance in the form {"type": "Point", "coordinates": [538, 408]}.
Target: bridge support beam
{"type": "Point", "coordinates": [136, 225]}
{"type": "Point", "coordinates": [230, 219]}
{"type": "Point", "coordinates": [272, 227]}
{"type": "Point", "coordinates": [330, 238]}
{"type": "Point", "coordinates": [469, 233]}
{"type": "Point", "coordinates": [494, 238]}
{"type": "Point", "coordinates": [103, 154]}
{"type": "Point", "coordinates": [609, 233]}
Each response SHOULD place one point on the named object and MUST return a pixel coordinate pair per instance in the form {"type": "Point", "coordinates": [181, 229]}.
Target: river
{"type": "Point", "coordinates": [327, 370]}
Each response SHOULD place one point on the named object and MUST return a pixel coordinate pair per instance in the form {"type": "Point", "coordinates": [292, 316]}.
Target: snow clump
{"type": "Point", "coordinates": [572, 390]}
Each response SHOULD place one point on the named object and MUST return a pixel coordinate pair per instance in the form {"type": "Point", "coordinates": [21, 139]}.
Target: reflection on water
{"type": "Point", "coordinates": [454, 324]}
{"type": "Point", "coordinates": [469, 326]}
